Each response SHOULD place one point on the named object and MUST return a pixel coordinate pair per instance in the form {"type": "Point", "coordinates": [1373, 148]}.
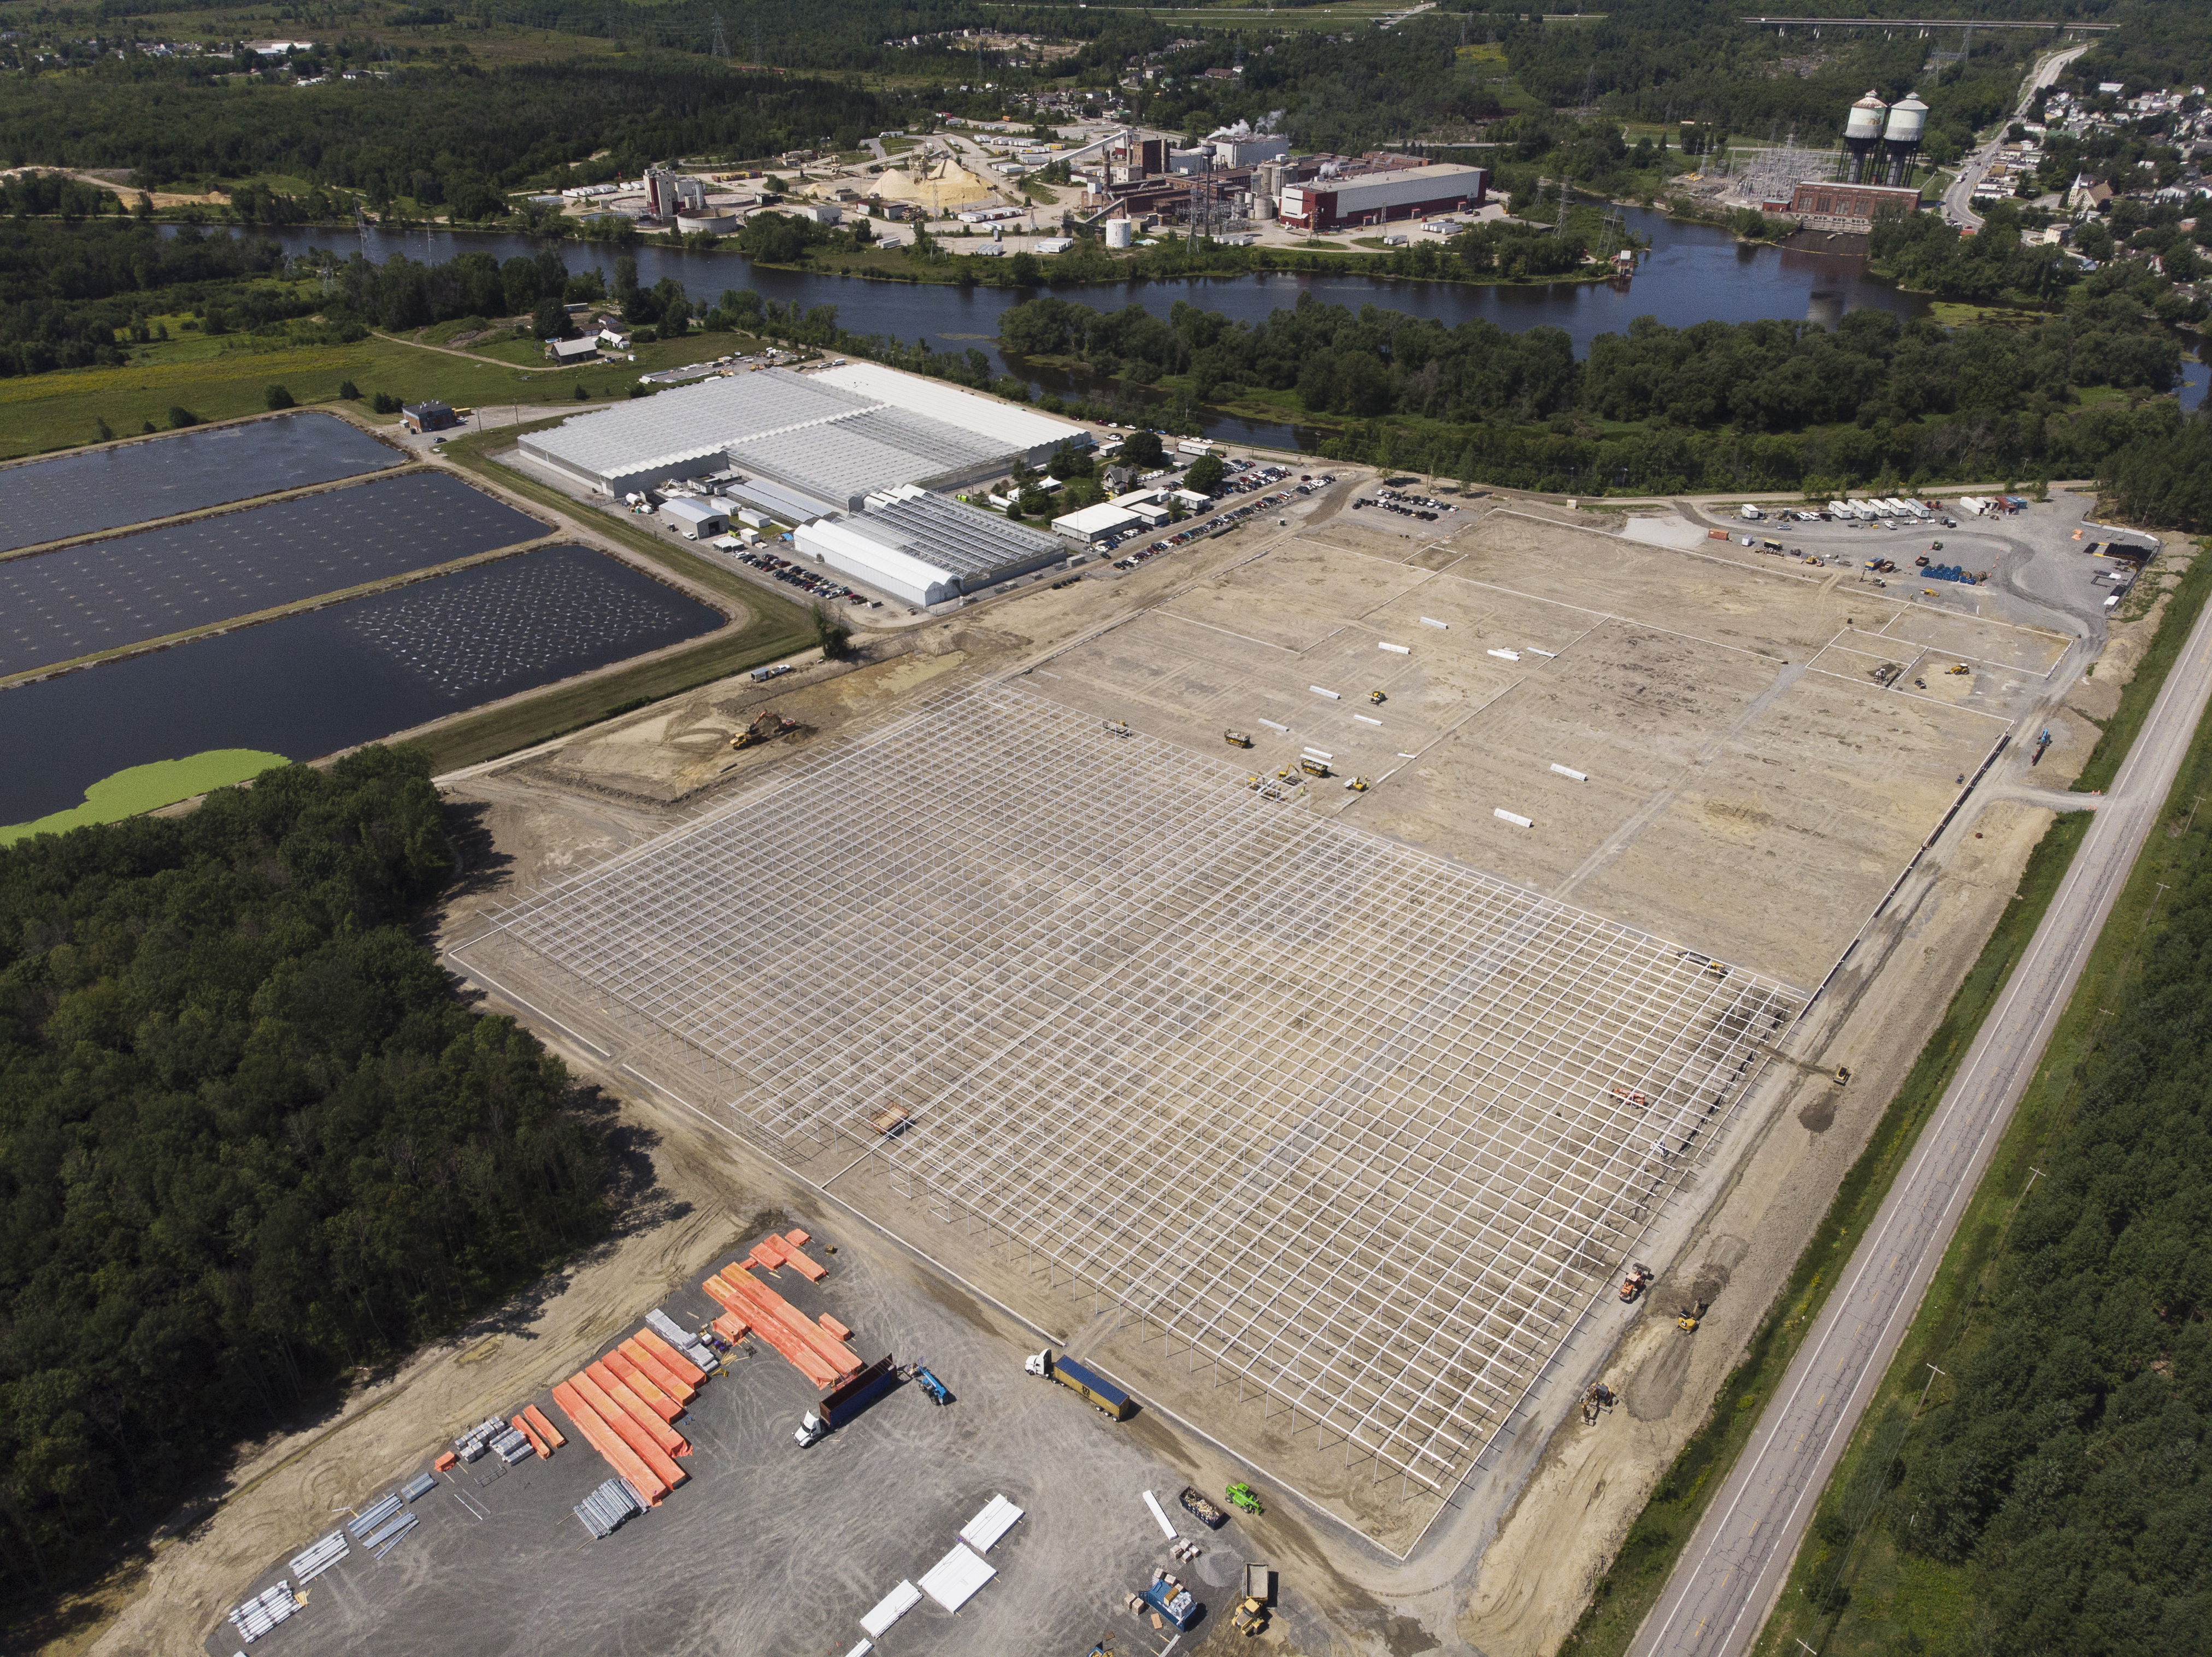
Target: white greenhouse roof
{"type": "Point", "coordinates": [1008, 425]}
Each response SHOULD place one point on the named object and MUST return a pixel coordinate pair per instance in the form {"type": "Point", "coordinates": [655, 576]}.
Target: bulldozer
{"type": "Point", "coordinates": [1960, 669]}
{"type": "Point", "coordinates": [1692, 1313]}
{"type": "Point", "coordinates": [1378, 698]}
{"type": "Point", "coordinates": [766, 728]}
{"type": "Point", "coordinates": [1250, 1616]}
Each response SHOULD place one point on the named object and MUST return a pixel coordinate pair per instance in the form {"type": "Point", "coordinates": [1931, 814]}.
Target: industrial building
{"type": "Point", "coordinates": [1323, 205]}
{"type": "Point", "coordinates": [924, 548]}
{"type": "Point", "coordinates": [799, 446]}
{"type": "Point", "coordinates": [1851, 208]}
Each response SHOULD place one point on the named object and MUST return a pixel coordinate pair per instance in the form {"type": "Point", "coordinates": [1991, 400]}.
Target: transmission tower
{"type": "Point", "coordinates": [720, 45]}
{"type": "Point", "coordinates": [1560, 228]}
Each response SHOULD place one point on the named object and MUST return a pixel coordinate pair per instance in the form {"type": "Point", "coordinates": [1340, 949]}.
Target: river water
{"type": "Point", "coordinates": [1692, 273]}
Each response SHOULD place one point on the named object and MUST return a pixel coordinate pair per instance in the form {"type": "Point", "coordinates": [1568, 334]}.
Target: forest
{"type": "Point", "coordinates": [1922, 253]}
{"type": "Point", "coordinates": [455, 137]}
{"type": "Point", "coordinates": [1766, 404]}
{"type": "Point", "coordinates": [2071, 1471]}
{"type": "Point", "coordinates": [249, 1140]}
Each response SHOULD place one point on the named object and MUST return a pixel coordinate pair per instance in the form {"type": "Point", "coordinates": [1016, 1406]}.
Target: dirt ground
{"type": "Point", "coordinates": [1509, 1570]}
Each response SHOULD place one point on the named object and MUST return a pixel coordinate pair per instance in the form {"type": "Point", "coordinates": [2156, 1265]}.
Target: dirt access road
{"type": "Point", "coordinates": [1738, 1556]}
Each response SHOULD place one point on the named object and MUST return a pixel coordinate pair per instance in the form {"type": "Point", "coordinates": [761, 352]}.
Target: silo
{"type": "Point", "coordinates": [1862, 132]}
{"type": "Point", "coordinates": [1120, 232]}
{"type": "Point", "coordinates": [1900, 137]}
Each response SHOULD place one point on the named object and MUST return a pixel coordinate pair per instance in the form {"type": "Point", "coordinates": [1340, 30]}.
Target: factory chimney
{"type": "Point", "coordinates": [1862, 132]}
{"type": "Point", "coordinates": [1900, 139]}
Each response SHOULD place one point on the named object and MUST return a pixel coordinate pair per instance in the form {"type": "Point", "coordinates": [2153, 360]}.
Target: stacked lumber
{"type": "Point", "coordinates": [660, 1374]}
{"type": "Point", "coordinates": [613, 1448]}
{"type": "Point", "coordinates": [772, 1250]}
{"type": "Point", "coordinates": [521, 1424]}
{"type": "Point", "coordinates": [545, 1428]}
{"type": "Point", "coordinates": [804, 1344]}
{"type": "Point", "coordinates": [731, 1327]}
{"type": "Point", "coordinates": [675, 1362]}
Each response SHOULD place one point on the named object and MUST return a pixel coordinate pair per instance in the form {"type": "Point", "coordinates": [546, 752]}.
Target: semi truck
{"type": "Point", "coordinates": [839, 1406]}
{"type": "Point", "coordinates": [1086, 1382]}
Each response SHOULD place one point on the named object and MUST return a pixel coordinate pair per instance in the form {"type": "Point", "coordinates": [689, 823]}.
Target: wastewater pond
{"type": "Point", "coordinates": [308, 685]}
{"type": "Point", "coordinates": [185, 472]}
{"type": "Point", "coordinates": [97, 595]}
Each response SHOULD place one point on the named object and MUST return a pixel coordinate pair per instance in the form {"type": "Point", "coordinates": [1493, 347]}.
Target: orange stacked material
{"type": "Point", "coordinates": [618, 1421]}
{"type": "Point", "coordinates": [809, 1348]}
{"type": "Point", "coordinates": [674, 1361]}
{"type": "Point", "coordinates": [618, 1454]}
{"type": "Point", "coordinates": [657, 1372]}
{"type": "Point", "coordinates": [834, 1327]}
{"type": "Point", "coordinates": [642, 1384]}
{"type": "Point", "coordinates": [772, 1250]}
{"type": "Point", "coordinates": [731, 1327]}
{"type": "Point", "coordinates": [670, 1442]}
{"type": "Point", "coordinates": [522, 1426]}
{"type": "Point", "coordinates": [794, 1351]}
{"type": "Point", "coordinates": [546, 1429]}
{"type": "Point", "coordinates": [445, 1461]}
{"type": "Point", "coordinates": [797, 1237]}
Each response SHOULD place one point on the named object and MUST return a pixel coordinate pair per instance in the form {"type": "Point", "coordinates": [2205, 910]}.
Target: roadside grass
{"type": "Point", "coordinates": [146, 787]}
{"type": "Point", "coordinates": [1654, 1543]}
{"type": "Point", "coordinates": [1852, 1592]}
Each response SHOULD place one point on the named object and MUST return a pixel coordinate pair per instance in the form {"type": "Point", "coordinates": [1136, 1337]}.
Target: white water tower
{"type": "Point", "coordinates": [1862, 133]}
{"type": "Point", "coordinates": [1900, 137]}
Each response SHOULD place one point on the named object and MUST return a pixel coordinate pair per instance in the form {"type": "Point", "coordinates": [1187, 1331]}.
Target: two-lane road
{"type": "Point", "coordinates": [1733, 1568]}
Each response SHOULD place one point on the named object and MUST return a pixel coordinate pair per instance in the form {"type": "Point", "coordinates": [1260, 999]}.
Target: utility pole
{"type": "Point", "coordinates": [720, 45]}
{"type": "Point", "coordinates": [1932, 1373]}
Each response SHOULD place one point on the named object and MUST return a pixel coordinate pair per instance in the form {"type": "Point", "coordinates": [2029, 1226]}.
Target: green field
{"type": "Point", "coordinates": [223, 379]}
{"type": "Point", "coordinates": [147, 788]}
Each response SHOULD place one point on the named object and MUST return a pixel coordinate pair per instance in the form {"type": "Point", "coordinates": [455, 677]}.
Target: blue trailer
{"type": "Point", "coordinates": [1086, 1382]}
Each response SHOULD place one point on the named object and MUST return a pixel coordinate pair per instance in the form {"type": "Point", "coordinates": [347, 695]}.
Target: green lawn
{"type": "Point", "coordinates": [222, 379]}
{"type": "Point", "coordinates": [146, 787]}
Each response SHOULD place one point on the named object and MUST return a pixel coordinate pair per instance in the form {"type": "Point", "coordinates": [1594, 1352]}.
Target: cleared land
{"type": "Point", "coordinates": [1292, 1101]}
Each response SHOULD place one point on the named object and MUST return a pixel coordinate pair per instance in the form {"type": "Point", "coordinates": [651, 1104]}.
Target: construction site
{"type": "Point", "coordinates": [1373, 1007]}
{"type": "Point", "coordinates": [1319, 1083]}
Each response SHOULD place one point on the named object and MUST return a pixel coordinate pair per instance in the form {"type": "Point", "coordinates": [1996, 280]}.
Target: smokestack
{"type": "Point", "coordinates": [1900, 139]}
{"type": "Point", "coordinates": [1862, 132]}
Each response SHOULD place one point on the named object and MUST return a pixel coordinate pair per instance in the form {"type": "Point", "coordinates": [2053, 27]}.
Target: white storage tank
{"type": "Point", "coordinates": [1120, 232]}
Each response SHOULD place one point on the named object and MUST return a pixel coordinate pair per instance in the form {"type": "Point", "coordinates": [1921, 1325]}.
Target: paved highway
{"type": "Point", "coordinates": [1733, 1568]}
{"type": "Point", "coordinates": [1958, 194]}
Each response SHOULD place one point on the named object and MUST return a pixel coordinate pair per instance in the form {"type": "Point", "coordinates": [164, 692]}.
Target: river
{"type": "Point", "coordinates": [1692, 273]}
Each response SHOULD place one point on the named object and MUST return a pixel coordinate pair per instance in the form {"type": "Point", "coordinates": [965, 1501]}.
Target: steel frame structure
{"type": "Point", "coordinates": [1360, 1126]}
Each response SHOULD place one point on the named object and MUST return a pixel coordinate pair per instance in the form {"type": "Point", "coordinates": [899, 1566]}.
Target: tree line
{"type": "Point", "coordinates": [248, 1140]}
{"type": "Point", "coordinates": [2070, 1473]}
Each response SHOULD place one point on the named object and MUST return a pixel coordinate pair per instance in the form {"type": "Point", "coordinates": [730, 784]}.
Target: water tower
{"type": "Point", "coordinates": [1900, 137]}
{"type": "Point", "coordinates": [1862, 132]}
